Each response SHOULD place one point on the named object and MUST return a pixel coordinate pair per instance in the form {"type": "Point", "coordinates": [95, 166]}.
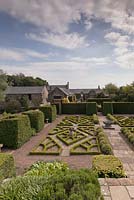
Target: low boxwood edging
{"type": "Point", "coordinates": [68, 139]}
{"type": "Point", "coordinates": [88, 147]}
{"type": "Point", "coordinates": [129, 134]}
{"type": "Point", "coordinates": [48, 146]}
{"type": "Point", "coordinates": [103, 142]}
{"type": "Point", "coordinates": [15, 130]}
{"type": "Point", "coordinates": [7, 168]}
{"type": "Point", "coordinates": [36, 119]}
{"type": "Point", "coordinates": [108, 166]}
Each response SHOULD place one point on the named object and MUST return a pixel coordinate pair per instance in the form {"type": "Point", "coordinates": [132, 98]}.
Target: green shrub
{"type": "Point", "coordinates": [129, 134]}
{"type": "Point", "coordinates": [107, 108]}
{"type": "Point", "coordinates": [91, 108]}
{"type": "Point", "coordinates": [49, 112]}
{"type": "Point", "coordinates": [13, 106]}
{"type": "Point", "coordinates": [95, 119]}
{"type": "Point", "coordinates": [67, 185]}
{"type": "Point", "coordinates": [112, 118]}
{"type": "Point", "coordinates": [7, 168]}
{"type": "Point", "coordinates": [15, 130]}
{"type": "Point", "coordinates": [36, 119]}
{"type": "Point", "coordinates": [103, 142]}
{"type": "Point", "coordinates": [108, 166]}
{"type": "Point", "coordinates": [46, 169]}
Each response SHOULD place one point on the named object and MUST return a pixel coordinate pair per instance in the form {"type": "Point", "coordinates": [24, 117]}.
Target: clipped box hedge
{"type": "Point", "coordinates": [91, 108]}
{"type": "Point", "coordinates": [108, 166]}
{"type": "Point", "coordinates": [79, 108]}
{"type": "Point", "coordinates": [36, 119]}
{"type": "Point", "coordinates": [74, 108]}
{"type": "Point", "coordinates": [123, 107]}
{"type": "Point", "coordinates": [7, 168]}
{"type": "Point", "coordinates": [49, 112]}
{"type": "Point", "coordinates": [104, 142]}
{"type": "Point", "coordinates": [15, 130]}
{"type": "Point", "coordinates": [107, 108]}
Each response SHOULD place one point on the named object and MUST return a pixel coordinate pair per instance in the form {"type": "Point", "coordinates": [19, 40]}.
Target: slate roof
{"type": "Point", "coordinates": [65, 91]}
{"type": "Point", "coordinates": [85, 91]}
{"type": "Point", "coordinates": [24, 90]}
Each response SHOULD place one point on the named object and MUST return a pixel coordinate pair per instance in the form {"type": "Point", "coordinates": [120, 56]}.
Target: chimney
{"type": "Point", "coordinates": [99, 87]}
{"type": "Point", "coordinates": [67, 85]}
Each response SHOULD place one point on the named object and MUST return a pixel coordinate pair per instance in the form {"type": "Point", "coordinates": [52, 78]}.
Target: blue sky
{"type": "Point", "coordinates": [88, 42]}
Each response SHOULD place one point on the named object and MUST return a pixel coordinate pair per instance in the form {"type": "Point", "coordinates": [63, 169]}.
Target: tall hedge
{"type": "Point", "coordinates": [49, 112]}
{"type": "Point", "coordinates": [118, 108]}
{"type": "Point", "coordinates": [15, 130]}
{"type": "Point", "coordinates": [123, 107]}
{"type": "Point", "coordinates": [74, 108]}
{"type": "Point", "coordinates": [91, 108]}
{"type": "Point", "coordinates": [36, 119]}
{"type": "Point", "coordinates": [7, 168]}
{"type": "Point", "coordinates": [107, 108]}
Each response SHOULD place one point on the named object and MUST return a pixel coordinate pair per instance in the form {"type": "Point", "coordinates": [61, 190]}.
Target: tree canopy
{"type": "Point", "coordinates": [3, 84]}
{"type": "Point", "coordinates": [22, 80]}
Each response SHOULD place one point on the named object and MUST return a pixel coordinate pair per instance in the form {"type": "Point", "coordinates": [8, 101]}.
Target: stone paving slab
{"type": "Point", "coordinates": [119, 193]}
{"type": "Point", "coordinates": [130, 191]}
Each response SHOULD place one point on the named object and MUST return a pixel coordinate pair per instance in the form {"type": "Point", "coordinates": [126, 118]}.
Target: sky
{"type": "Point", "coordinates": [85, 42]}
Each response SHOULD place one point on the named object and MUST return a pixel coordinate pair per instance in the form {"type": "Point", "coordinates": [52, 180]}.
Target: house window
{"type": "Point", "coordinates": [30, 97]}
{"type": "Point", "coordinates": [57, 97]}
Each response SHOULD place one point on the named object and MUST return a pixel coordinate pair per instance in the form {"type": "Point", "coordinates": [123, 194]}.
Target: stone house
{"type": "Point", "coordinates": [36, 95]}
{"type": "Point", "coordinates": [58, 92]}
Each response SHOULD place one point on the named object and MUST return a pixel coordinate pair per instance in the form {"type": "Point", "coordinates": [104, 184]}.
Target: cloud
{"type": "Point", "coordinates": [123, 49]}
{"type": "Point", "coordinates": [18, 54]}
{"type": "Point", "coordinates": [67, 41]}
{"type": "Point", "coordinates": [92, 60]}
{"type": "Point", "coordinates": [56, 16]}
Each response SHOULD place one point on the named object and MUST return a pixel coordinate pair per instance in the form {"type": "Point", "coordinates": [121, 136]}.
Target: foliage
{"type": "Point", "coordinates": [24, 102]}
{"type": "Point", "coordinates": [3, 84]}
{"type": "Point", "coordinates": [22, 80]}
{"type": "Point", "coordinates": [112, 118]}
{"type": "Point", "coordinates": [49, 112]}
{"type": "Point", "coordinates": [74, 108]}
{"type": "Point", "coordinates": [108, 166]}
{"type": "Point", "coordinates": [103, 142]}
{"type": "Point", "coordinates": [91, 108]}
{"type": "Point", "coordinates": [46, 169]}
{"type": "Point", "coordinates": [111, 89]}
{"type": "Point", "coordinates": [36, 119]}
{"type": "Point", "coordinates": [12, 106]}
{"type": "Point", "coordinates": [79, 108]}
{"type": "Point", "coordinates": [48, 146]}
{"type": "Point", "coordinates": [7, 168]}
{"type": "Point", "coordinates": [107, 108]}
{"type": "Point", "coordinates": [129, 134]}
{"type": "Point", "coordinates": [81, 184]}
{"type": "Point", "coordinates": [15, 130]}
{"type": "Point", "coordinates": [96, 119]}
{"type": "Point", "coordinates": [89, 146]}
